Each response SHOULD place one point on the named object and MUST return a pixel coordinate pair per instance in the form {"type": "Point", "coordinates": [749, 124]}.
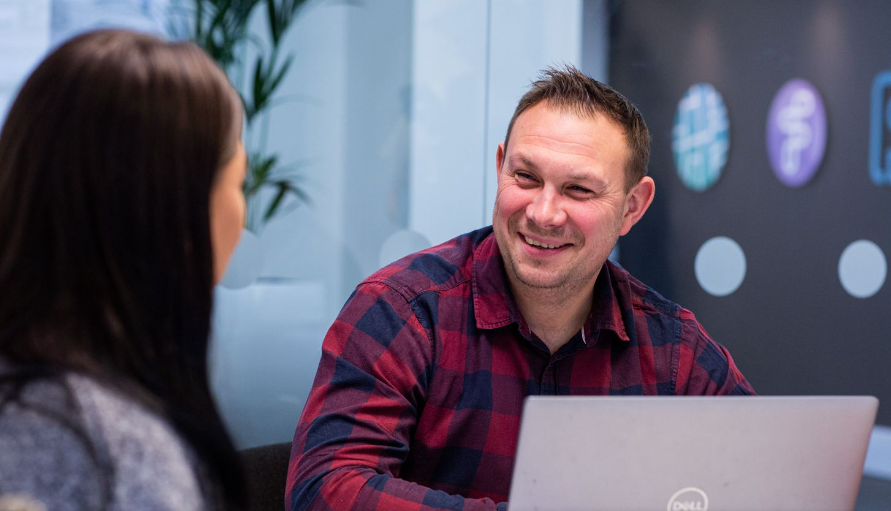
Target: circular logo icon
{"type": "Point", "coordinates": [701, 137]}
{"type": "Point", "coordinates": [688, 499]}
{"type": "Point", "coordinates": [796, 132]}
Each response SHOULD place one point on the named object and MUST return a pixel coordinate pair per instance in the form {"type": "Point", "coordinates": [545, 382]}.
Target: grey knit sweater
{"type": "Point", "coordinates": [137, 459]}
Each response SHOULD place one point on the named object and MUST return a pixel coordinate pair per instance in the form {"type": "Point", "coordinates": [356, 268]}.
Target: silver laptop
{"type": "Point", "coordinates": [691, 453]}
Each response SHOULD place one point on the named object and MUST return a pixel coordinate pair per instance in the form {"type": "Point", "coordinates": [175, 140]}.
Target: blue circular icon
{"type": "Point", "coordinates": [701, 137]}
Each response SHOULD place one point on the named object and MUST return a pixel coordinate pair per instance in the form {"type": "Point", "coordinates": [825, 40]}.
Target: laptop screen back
{"type": "Point", "coordinates": [691, 453]}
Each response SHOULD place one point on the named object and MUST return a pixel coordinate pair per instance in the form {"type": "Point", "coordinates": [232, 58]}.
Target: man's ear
{"type": "Point", "coordinates": [499, 158]}
{"type": "Point", "coordinates": [639, 199]}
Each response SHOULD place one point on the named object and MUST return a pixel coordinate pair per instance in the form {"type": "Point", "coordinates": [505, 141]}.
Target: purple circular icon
{"type": "Point", "coordinates": [796, 132]}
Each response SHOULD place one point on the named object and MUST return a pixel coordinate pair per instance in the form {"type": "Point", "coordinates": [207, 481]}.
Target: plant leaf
{"type": "Point", "coordinates": [260, 168]}
{"type": "Point", "coordinates": [258, 87]}
{"type": "Point", "coordinates": [280, 75]}
{"type": "Point", "coordinates": [283, 189]}
{"type": "Point", "coordinates": [272, 21]}
{"type": "Point", "coordinates": [276, 202]}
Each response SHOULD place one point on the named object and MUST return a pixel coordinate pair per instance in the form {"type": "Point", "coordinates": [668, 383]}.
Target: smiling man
{"type": "Point", "coordinates": [417, 400]}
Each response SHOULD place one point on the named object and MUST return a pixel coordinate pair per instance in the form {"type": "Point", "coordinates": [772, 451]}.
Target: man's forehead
{"type": "Point", "coordinates": [545, 117]}
{"type": "Point", "coordinates": [564, 133]}
{"type": "Point", "coordinates": [591, 141]}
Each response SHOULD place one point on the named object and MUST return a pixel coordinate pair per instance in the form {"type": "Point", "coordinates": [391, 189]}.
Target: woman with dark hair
{"type": "Point", "coordinates": [120, 203]}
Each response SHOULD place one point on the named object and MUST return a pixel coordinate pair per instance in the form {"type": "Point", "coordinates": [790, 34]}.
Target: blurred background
{"type": "Point", "coordinates": [378, 124]}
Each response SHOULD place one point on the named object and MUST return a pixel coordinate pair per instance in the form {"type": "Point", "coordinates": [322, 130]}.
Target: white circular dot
{"type": "Point", "coordinates": [720, 266]}
{"type": "Point", "coordinates": [862, 269]}
{"type": "Point", "coordinates": [400, 244]}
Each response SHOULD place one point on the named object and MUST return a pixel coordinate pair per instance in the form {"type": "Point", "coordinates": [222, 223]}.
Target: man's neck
{"type": "Point", "coordinates": [554, 315]}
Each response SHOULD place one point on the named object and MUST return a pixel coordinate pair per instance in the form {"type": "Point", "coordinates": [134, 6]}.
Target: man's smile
{"type": "Point", "coordinates": [538, 246]}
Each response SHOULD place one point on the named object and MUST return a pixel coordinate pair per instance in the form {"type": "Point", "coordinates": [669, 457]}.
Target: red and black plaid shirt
{"type": "Point", "coordinates": [417, 400]}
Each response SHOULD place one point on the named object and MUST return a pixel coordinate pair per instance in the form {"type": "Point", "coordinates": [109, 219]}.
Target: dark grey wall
{"type": "Point", "coordinates": [791, 326]}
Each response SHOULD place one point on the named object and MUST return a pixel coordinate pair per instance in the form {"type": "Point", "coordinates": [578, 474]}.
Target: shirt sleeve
{"type": "Point", "coordinates": [355, 431]}
{"type": "Point", "coordinates": [705, 368]}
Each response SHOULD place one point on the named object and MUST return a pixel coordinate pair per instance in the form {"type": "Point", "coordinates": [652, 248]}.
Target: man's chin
{"type": "Point", "coordinates": [540, 280]}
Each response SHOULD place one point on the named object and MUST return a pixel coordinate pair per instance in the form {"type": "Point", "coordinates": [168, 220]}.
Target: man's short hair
{"type": "Point", "coordinates": [570, 90]}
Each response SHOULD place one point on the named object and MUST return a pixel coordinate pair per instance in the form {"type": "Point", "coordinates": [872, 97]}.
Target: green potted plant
{"type": "Point", "coordinates": [221, 28]}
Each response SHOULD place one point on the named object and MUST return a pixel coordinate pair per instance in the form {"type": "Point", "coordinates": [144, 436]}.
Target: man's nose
{"type": "Point", "coordinates": [546, 210]}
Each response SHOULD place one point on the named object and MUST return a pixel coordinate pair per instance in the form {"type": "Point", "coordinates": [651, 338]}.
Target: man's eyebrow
{"type": "Point", "coordinates": [581, 176]}
{"type": "Point", "coordinates": [585, 176]}
{"type": "Point", "coordinates": [523, 161]}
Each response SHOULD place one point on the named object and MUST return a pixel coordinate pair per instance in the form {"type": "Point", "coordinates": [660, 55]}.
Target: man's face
{"type": "Point", "coordinates": [561, 202]}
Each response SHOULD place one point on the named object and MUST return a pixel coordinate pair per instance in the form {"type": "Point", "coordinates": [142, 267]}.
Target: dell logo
{"type": "Point", "coordinates": [688, 499]}
{"type": "Point", "coordinates": [687, 506]}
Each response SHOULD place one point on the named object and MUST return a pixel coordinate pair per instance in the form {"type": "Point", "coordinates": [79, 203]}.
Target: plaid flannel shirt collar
{"type": "Point", "coordinates": [495, 307]}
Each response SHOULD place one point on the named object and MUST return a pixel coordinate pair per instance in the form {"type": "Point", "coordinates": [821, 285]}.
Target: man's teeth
{"type": "Point", "coordinates": [537, 244]}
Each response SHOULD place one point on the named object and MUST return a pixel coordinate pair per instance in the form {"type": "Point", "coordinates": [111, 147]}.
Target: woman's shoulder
{"type": "Point", "coordinates": [45, 453]}
{"type": "Point", "coordinates": [151, 461]}
{"type": "Point", "coordinates": [92, 441]}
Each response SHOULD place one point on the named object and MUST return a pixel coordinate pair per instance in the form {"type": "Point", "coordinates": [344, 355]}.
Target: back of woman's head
{"type": "Point", "coordinates": [107, 160]}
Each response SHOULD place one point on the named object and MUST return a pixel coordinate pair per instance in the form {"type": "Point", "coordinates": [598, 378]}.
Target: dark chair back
{"type": "Point", "coordinates": [266, 468]}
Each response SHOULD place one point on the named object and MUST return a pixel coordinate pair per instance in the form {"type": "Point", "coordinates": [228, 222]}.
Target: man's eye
{"type": "Point", "coordinates": [580, 190]}
{"type": "Point", "coordinates": [523, 176]}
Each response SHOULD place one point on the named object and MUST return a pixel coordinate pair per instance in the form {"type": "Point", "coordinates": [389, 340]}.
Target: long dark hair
{"type": "Point", "coordinates": [107, 160]}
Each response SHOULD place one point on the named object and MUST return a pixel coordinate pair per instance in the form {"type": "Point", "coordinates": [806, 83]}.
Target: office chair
{"type": "Point", "coordinates": [266, 468]}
